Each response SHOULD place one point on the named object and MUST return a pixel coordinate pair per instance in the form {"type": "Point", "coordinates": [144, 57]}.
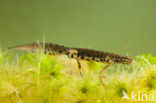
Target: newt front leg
{"type": "Point", "coordinates": [110, 62]}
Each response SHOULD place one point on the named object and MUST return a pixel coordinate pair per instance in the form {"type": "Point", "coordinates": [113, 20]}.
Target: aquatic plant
{"type": "Point", "coordinates": [40, 78]}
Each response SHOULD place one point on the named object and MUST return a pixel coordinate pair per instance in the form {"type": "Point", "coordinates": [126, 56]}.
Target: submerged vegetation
{"type": "Point", "coordinates": [41, 78]}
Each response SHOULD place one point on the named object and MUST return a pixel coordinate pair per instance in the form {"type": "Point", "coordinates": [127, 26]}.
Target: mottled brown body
{"type": "Point", "coordinates": [78, 54]}
{"type": "Point", "coordinates": [87, 54]}
{"type": "Point", "coordinates": [99, 56]}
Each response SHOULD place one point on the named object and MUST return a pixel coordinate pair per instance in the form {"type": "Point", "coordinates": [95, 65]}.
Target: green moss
{"type": "Point", "coordinates": [40, 78]}
{"type": "Point", "coordinates": [119, 88]}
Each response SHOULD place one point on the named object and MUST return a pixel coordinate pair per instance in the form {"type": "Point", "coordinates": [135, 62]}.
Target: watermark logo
{"type": "Point", "coordinates": [138, 96]}
{"type": "Point", "coordinates": [125, 96]}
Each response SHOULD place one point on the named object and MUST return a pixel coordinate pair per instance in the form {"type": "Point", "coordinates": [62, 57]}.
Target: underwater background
{"type": "Point", "coordinates": [119, 26]}
{"type": "Point", "coordinates": [126, 27]}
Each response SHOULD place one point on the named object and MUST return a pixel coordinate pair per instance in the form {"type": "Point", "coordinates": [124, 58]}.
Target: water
{"type": "Point", "coordinates": [120, 26]}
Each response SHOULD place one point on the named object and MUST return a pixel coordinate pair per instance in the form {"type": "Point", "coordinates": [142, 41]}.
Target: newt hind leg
{"type": "Point", "coordinates": [79, 66]}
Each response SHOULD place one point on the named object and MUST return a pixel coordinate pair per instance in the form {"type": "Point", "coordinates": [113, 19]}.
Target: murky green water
{"type": "Point", "coordinates": [119, 26]}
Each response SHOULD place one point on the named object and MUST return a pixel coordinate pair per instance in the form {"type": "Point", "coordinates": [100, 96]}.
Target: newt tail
{"type": "Point", "coordinates": [78, 54]}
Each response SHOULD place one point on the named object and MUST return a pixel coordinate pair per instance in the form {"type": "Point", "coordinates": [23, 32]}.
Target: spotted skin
{"type": "Point", "coordinates": [78, 54]}
{"type": "Point", "coordinates": [98, 56]}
